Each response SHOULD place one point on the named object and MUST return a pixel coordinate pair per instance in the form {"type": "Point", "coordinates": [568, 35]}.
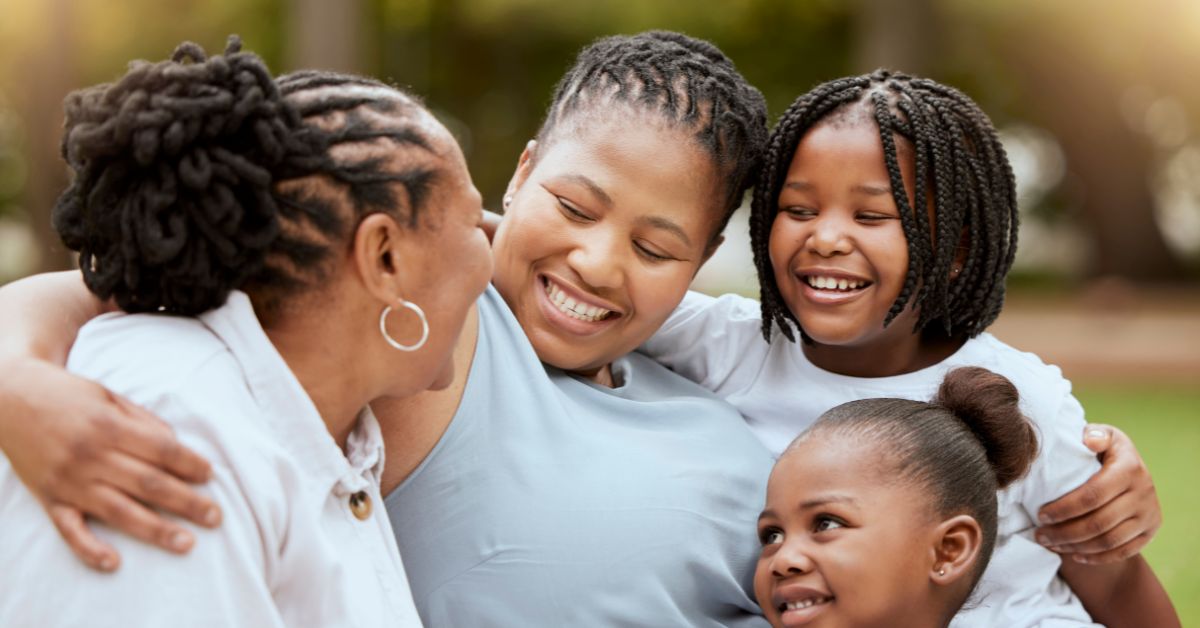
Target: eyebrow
{"type": "Point", "coordinates": [592, 187]}
{"type": "Point", "coordinates": [869, 190]}
{"type": "Point", "coordinates": [659, 222]}
{"type": "Point", "coordinates": [834, 498]}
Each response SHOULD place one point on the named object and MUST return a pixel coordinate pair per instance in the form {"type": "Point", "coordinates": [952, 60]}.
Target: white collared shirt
{"type": "Point", "coordinates": [291, 551]}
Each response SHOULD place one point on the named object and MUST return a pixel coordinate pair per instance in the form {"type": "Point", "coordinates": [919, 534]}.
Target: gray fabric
{"type": "Point", "coordinates": [551, 501]}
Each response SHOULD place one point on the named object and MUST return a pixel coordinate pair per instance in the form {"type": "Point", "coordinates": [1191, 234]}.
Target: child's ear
{"type": "Point", "coordinates": [956, 545]}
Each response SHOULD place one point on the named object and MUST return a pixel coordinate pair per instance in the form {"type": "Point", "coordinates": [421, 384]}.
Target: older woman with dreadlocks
{"type": "Point", "coordinates": [278, 250]}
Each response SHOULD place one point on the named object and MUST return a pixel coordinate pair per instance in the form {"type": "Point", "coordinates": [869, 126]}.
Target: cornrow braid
{"type": "Point", "coordinates": [687, 81]}
{"type": "Point", "coordinates": [958, 157]}
{"type": "Point", "coordinates": [199, 175]}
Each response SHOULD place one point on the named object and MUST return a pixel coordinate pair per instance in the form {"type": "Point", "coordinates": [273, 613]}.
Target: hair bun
{"type": "Point", "coordinates": [987, 403]}
{"type": "Point", "coordinates": [171, 205]}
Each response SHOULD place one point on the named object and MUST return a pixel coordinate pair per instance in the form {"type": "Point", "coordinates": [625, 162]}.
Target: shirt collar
{"type": "Point", "coordinates": [289, 410]}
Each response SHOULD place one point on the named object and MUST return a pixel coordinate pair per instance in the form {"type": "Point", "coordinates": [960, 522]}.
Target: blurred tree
{"type": "Point", "coordinates": [47, 68]}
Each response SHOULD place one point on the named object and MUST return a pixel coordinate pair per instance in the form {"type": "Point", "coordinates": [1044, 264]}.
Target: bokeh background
{"type": "Point", "coordinates": [1097, 102]}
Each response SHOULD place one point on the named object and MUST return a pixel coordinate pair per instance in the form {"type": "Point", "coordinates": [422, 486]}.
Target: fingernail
{"type": "Point", "coordinates": [1080, 559]}
{"type": "Point", "coordinates": [1045, 519]}
{"type": "Point", "coordinates": [212, 516]}
{"type": "Point", "coordinates": [1097, 434]}
{"type": "Point", "coordinates": [108, 563]}
{"type": "Point", "coordinates": [179, 541]}
{"type": "Point", "coordinates": [1042, 540]}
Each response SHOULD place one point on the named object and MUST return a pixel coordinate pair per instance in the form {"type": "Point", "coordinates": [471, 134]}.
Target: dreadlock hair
{"type": "Point", "coordinates": [200, 175]}
{"type": "Point", "coordinates": [689, 82]}
{"type": "Point", "coordinates": [958, 157]}
{"type": "Point", "coordinates": [963, 446]}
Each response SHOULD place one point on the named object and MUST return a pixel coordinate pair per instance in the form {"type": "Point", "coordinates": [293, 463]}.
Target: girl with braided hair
{"type": "Point", "coordinates": [560, 480]}
{"type": "Point", "coordinates": [883, 226]}
{"type": "Point", "coordinates": [276, 249]}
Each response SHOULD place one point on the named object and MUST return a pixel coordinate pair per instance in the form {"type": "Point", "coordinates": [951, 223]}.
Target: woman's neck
{"type": "Point", "coordinates": [601, 375]}
{"type": "Point", "coordinates": [335, 386]}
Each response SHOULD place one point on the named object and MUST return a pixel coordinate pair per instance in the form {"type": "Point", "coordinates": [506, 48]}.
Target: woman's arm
{"type": "Point", "coordinates": [1114, 514]}
{"type": "Point", "coordinates": [79, 448]}
{"type": "Point", "coordinates": [1125, 593]}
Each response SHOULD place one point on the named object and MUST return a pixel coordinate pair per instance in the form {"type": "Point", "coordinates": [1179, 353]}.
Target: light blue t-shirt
{"type": "Point", "coordinates": [552, 501]}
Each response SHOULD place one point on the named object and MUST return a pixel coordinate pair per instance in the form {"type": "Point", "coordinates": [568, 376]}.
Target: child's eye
{"type": "Point", "coordinates": [799, 212]}
{"type": "Point", "coordinates": [873, 217]}
{"type": "Point", "coordinates": [825, 523]}
{"type": "Point", "coordinates": [645, 252]}
{"type": "Point", "coordinates": [771, 536]}
{"type": "Point", "coordinates": [570, 212]}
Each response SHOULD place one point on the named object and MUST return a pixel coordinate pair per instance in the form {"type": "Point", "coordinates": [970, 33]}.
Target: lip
{"type": "Point", "coordinates": [573, 326]}
{"type": "Point", "coordinates": [794, 593]}
{"type": "Point", "coordinates": [830, 297]}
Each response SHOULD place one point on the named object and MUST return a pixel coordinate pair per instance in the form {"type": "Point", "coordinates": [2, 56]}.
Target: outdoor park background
{"type": "Point", "coordinates": [1097, 101]}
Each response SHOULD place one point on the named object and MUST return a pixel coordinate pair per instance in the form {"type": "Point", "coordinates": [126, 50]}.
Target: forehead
{"type": "Point", "coordinates": [840, 464]}
{"type": "Point", "coordinates": [643, 163]}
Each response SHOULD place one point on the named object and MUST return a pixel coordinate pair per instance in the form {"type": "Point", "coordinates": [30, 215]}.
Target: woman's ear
{"type": "Point", "coordinates": [957, 542]}
{"type": "Point", "coordinates": [960, 254]}
{"type": "Point", "coordinates": [524, 167]}
{"type": "Point", "coordinates": [378, 256]}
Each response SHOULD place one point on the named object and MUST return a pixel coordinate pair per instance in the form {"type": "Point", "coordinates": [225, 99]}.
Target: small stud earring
{"type": "Point", "coordinates": [942, 571]}
{"type": "Point", "coordinates": [507, 200]}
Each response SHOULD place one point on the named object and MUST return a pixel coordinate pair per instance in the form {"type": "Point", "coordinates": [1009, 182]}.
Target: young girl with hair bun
{"type": "Point", "coordinates": [883, 512]}
{"type": "Point", "coordinates": [883, 226]}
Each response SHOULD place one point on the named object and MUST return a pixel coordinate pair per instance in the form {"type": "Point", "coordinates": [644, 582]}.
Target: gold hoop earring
{"type": "Point", "coordinates": [392, 341]}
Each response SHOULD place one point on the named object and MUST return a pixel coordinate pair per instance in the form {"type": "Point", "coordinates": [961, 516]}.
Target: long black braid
{"type": "Point", "coordinates": [958, 157]}
{"type": "Point", "coordinates": [690, 82]}
{"type": "Point", "coordinates": [200, 175]}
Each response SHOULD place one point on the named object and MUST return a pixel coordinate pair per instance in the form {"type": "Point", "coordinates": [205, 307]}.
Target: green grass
{"type": "Point", "coordinates": [1164, 422]}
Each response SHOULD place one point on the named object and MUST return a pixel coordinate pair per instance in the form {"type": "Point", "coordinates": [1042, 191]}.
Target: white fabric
{"type": "Point", "coordinates": [289, 551]}
{"type": "Point", "coordinates": [718, 343]}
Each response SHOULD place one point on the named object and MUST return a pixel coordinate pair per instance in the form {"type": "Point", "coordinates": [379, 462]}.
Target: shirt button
{"type": "Point", "coordinates": [360, 505]}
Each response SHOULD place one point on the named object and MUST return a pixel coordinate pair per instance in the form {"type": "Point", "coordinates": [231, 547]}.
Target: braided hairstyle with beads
{"type": "Point", "coordinates": [200, 175]}
{"type": "Point", "coordinates": [958, 157]}
{"type": "Point", "coordinates": [689, 82]}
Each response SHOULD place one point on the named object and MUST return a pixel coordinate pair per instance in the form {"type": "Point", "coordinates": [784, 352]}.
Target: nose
{"type": "Point", "coordinates": [829, 236]}
{"type": "Point", "coordinates": [597, 258]}
{"type": "Point", "coordinates": [791, 559]}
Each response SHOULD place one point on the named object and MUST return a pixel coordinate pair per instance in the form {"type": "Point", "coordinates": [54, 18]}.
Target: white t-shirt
{"type": "Point", "coordinates": [718, 343]}
{"type": "Point", "coordinates": [289, 552]}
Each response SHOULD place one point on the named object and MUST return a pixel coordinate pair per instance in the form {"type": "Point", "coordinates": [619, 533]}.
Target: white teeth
{"type": "Point", "coordinates": [575, 309]}
{"type": "Point", "coordinates": [831, 283]}
{"type": "Point", "coordinates": [813, 601]}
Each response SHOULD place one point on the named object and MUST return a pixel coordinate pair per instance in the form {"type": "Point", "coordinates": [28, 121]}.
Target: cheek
{"type": "Point", "coordinates": [657, 292]}
{"type": "Point", "coordinates": [784, 239]}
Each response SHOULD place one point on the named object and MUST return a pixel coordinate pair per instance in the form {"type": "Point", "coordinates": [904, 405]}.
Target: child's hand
{"type": "Point", "coordinates": [1114, 514]}
{"type": "Point", "coordinates": [84, 450]}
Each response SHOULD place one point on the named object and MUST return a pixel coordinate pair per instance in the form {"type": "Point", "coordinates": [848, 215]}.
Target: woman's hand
{"type": "Point", "coordinates": [1114, 514]}
{"type": "Point", "coordinates": [83, 450]}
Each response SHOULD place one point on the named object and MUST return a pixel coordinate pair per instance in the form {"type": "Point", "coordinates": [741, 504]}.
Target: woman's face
{"type": "Point", "coordinates": [607, 226]}
{"type": "Point", "coordinates": [450, 259]}
{"type": "Point", "coordinates": [842, 544]}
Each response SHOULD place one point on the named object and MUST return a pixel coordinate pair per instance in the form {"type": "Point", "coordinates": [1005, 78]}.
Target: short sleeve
{"type": "Point", "coordinates": [715, 342]}
{"type": "Point", "coordinates": [1063, 462]}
